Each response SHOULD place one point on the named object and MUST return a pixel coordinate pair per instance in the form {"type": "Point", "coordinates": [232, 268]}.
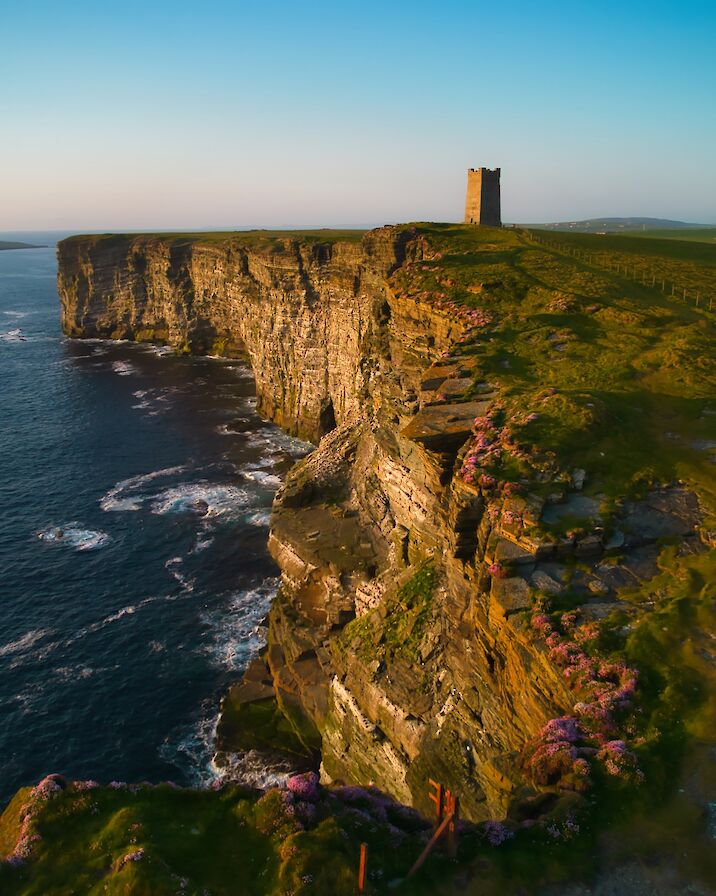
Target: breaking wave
{"type": "Point", "coordinates": [201, 498]}
{"type": "Point", "coordinates": [74, 536]}
{"type": "Point", "coordinates": [237, 630]}
{"type": "Point", "coordinates": [124, 368]}
{"type": "Point", "coordinates": [122, 496]}
{"type": "Point", "coordinates": [15, 335]}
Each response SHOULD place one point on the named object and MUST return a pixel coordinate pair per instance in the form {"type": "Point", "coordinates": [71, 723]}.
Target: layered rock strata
{"type": "Point", "coordinates": [390, 645]}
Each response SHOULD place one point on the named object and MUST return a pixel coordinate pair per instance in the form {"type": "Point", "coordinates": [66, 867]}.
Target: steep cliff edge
{"type": "Point", "coordinates": [457, 531]}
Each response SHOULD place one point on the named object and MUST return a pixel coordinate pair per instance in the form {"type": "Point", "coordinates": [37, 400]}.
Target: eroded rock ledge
{"type": "Point", "coordinates": [391, 644]}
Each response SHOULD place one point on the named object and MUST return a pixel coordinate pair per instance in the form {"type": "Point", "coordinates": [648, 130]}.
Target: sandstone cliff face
{"type": "Point", "coordinates": [438, 676]}
{"type": "Point", "coordinates": [307, 315]}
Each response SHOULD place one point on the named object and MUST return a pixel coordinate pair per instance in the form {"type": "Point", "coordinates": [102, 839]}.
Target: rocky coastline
{"type": "Point", "coordinates": [430, 559]}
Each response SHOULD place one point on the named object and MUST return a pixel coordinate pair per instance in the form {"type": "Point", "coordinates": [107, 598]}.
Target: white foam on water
{"type": "Point", "coordinates": [155, 401]}
{"type": "Point", "coordinates": [253, 768]}
{"type": "Point", "coordinates": [74, 536]}
{"type": "Point", "coordinates": [26, 701]}
{"type": "Point", "coordinates": [202, 543]}
{"type": "Point", "coordinates": [223, 429]}
{"type": "Point", "coordinates": [192, 747]}
{"type": "Point", "coordinates": [15, 335]}
{"type": "Point", "coordinates": [237, 630]}
{"type": "Point", "coordinates": [201, 498]}
{"type": "Point", "coordinates": [125, 611]}
{"type": "Point", "coordinates": [186, 583]}
{"type": "Point", "coordinates": [72, 673]}
{"type": "Point", "coordinates": [25, 642]}
{"type": "Point", "coordinates": [242, 373]}
{"type": "Point", "coordinates": [17, 315]}
{"type": "Point", "coordinates": [264, 478]}
{"type": "Point", "coordinates": [276, 443]}
{"type": "Point", "coordinates": [117, 498]}
{"type": "Point", "coordinates": [124, 368]}
{"type": "Point", "coordinates": [160, 350]}
{"type": "Point", "coordinates": [262, 518]}
{"type": "Point", "coordinates": [116, 616]}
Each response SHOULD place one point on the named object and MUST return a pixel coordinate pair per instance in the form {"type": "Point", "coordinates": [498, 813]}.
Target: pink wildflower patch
{"type": "Point", "coordinates": [542, 624]}
{"type": "Point", "coordinates": [304, 786]}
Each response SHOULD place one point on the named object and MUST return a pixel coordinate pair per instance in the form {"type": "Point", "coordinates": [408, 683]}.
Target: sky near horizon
{"type": "Point", "coordinates": [228, 114]}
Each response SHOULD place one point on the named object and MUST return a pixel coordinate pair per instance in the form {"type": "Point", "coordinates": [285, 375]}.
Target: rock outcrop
{"type": "Point", "coordinates": [390, 643]}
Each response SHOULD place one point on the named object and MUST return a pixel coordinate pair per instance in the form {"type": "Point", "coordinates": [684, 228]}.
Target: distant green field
{"type": "Point", "coordinates": [676, 249]}
{"type": "Point", "coordinates": [703, 235]}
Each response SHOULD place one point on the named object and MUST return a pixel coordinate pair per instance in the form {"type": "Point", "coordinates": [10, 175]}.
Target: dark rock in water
{"type": "Point", "coordinates": [198, 506]}
{"type": "Point", "coordinates": [243, 424]}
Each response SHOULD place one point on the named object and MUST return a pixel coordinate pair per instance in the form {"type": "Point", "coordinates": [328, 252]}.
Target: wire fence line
{"type": "Point", "coordinates": [703, 299]}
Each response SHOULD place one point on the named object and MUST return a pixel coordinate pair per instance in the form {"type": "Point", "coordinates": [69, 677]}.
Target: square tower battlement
{"type": "Point", "coordinates": [482, 205]}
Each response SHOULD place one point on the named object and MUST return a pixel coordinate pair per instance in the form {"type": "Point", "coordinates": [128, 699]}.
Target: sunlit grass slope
{"type": "Point", "coordinates": [621, 379]}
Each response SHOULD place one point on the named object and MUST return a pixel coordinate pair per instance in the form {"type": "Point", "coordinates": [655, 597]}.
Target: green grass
{"type": "Point", "coordinates": [221, 843]}
{"type": "Point", "coordinates": [250, 238]}
{"type": "Point", "coordinates": [648, 245]}
{"type": "Point", "coordinates": [396, 631]}
{"type": "Point", "coordinates": [622, 378]}
{"type": "Point", "coordinates": [690, 235]}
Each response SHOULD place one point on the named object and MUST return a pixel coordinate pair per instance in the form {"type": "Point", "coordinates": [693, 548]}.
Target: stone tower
{"type": "Point", "coordinates": [483, 197]}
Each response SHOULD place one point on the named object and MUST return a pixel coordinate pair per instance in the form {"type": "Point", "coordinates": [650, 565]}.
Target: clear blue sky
{"type": "Point", "coordinates": [171, 115]}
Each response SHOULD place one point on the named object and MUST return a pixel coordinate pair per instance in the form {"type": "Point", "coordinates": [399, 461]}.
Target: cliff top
{"type": "Point", "coordinates": [572, 412]}
{"type": "Point", "coordinates": [249, 238]}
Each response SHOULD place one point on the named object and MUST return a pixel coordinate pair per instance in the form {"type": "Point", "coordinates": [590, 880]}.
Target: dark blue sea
{"type": "Point", "coordinates": [135, 491]}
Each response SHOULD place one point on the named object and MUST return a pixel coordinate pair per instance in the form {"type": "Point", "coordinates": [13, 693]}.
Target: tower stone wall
{"type": "Point", "coordinates": [482, 205]}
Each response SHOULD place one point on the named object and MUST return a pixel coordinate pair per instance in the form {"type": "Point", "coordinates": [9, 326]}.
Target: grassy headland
{"type": "Point", "coordinates": [596, 373]}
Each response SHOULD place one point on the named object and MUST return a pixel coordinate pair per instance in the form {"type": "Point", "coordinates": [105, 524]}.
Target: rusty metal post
{"type": "Point", "coordinates": [437, 798]}
{"type": "Point", "coordinates": [454, 812]}
{"type": "Point", "coordinates": [429, 848]}
{"type": "Point", "coordinates": [363, 867]}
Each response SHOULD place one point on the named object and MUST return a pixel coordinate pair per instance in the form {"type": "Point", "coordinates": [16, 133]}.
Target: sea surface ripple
{"type": "Point", "coordinates": [135, 491]}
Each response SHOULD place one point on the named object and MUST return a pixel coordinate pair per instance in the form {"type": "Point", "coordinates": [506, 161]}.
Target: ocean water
{"type": "Point", "coordinates": [135, 491]}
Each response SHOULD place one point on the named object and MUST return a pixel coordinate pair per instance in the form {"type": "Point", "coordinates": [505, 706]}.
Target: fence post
{"type": "Point", "coordinates": [453, 809]}
{"type": "Point", "coordinates": [362, 867]}
{"type": "Point", "coordinates": [437, 798]}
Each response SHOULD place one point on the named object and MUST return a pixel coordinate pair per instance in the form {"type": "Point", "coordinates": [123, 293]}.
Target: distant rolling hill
{"type": "Point", "coordinates": [621, 225]}
{"type": "Point", "coordinates": [11, 245]}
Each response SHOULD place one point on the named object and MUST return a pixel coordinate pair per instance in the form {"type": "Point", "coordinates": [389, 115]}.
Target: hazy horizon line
{"type": "Point", "coordinates": [332, 226]}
